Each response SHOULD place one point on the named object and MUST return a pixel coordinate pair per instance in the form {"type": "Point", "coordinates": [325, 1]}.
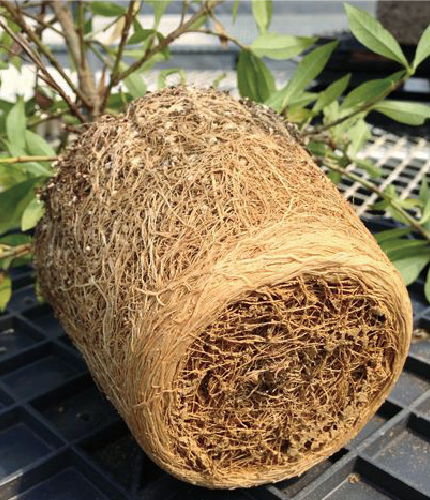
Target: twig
{"type": "Point", "coordinates": [87, 87]}
{"type": "Point", "coordinates": [185, 6]}
{"type": "Point", "coordinates": [26, 159]}
{"type": "Point", "coordinates": [225, 36]}
{"type": "Point", "coordinates": [44, 74]}
{"type": "Point", "coordinates": [124, 36]}
{"type": "Point", "coordinates": [44, 24]}
{"type": "Point", "coordinates": [19, 20]}
{"type": "Point", "coordinates": [385, 196]}
{"type": "Point", "coordinates": [47, 118]}
{"type": "Point", "coordinates": [91, 35]}
{"type": "Point", "coordinates": [18, 251]}
{"type": "Point", "coordinates": [171, 37]}
{"type": "Point", "coordinates": [364, 107]}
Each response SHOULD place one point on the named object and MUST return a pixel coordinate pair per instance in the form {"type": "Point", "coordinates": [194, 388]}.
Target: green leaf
{"type": "Point", "coordinates": [107, 9]}
{"type": "Point", "coordinates": [407, 246]}
{"type": "Point", "coordinates": [30, 168]}
{"type": "Point", "coordinates": [36, 145]}
{"type": "Point", "coordinates": [317, 148]}
{"type": "Point", "coordinates": [411, 267]}
{"type": "Point", "coordinates": [308, 68]}
{"type": "Point", "coordinates": [135, 85]}
{"type": "Point", "coordinates": [171, 71]}
{"type": "Point", "coordinates": [303, 99]}
{"type": "Point", "coordinates": [280, 46]}
{"type": "Point", "coordinates": [427, 286]}
{"type": "Point", "coordinates": [235, 9]}
{"type": "Point", "coordinates": [5, 290]}
{"type": "Point", "coordinates": [414, 248]}
{"type": "Point", "coordinates": [298, 114]}
{"type": "Point", "coordinates": [5, 106]}
{"type": "Point", "coordinates": [334, 176]}
{"type": "Point", "coordinates": [159, 7]}
{"type": "Point", "coordinates": [218, 80]}
{"type": "Point", "coordinates": [359, 135]}
{"type": "Point", "coordinates": [14, 201]}
{"type": "Point", "coordinates": [409, 203]}
{"type": "Point", "coordinates": [15, 149]}
{"type": "Point", "coordinates": [425, 217]}
{"type": "Point", "coordinates": [134, 82]}
{"type": "Point", "coordinates": [262, 12]}
{"type": "Point", "coordinates": [88, 26]}
{"type": "Point", "coordinates": [368, 165]}
{"type": "Point", "coordinates": [254, 80]}
{"type": "Point", "coordinates": [140, 34]}
{"type": "Point", "coordinates": [138, 53]}
{"type": "Point", "coordinates": [32, 214]}
{"type": "Point", "coordinates": [396, 215]}
{"type": "Point", "coordinates": [392, 234]}
{"type": "Point", "coordinates": [423, 48]}
{"type": "Point", "coordinates": [331, 93]}
{"type": "Point", "coordinates": [16, 124]}
{"type": "Point", "coordinates": [331, 112]}
{"type": "Point", "coordinates": [424, 190]}
{"type": "Point", "coordinates": [10, 175]}
{"type": "Point", "coordinates": [373, 35]}
{"type": "Point", "coordinates": [198, 23]}
{"type": "Point", "coordinates": [15, 239]}
{"type": "Point", "coordinates": [373, 89]}
{"type": "Point", "coordinates": [411, 113]}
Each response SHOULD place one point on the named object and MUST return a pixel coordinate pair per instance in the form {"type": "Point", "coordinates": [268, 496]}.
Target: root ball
{"type": "Point", "coordinates": [225, 296]}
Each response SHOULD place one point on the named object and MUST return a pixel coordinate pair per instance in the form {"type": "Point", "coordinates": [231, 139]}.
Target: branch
{"type": "Point", "coordinates": [26, 159]}
{"type": "Point", "coordinates": [18, 251]}
{"type": "Point", "coordinates": [185, 6]}
{"type": "Point", "coordinates": [19, 20]}
{"type": "Point", "coordinates": [46, 118]}
{"type": "Point", "coordinates": [87, 86]}
{"type": "Point", "coordinates": [44, 74]}
{"type": "Point", "coordinates": [385, 196]}
{"type": "Point", "coordinates": [124, 36]}
{"type": "Point", "coordinates": [44, 24]}
{"type": "Point", "coordinates": [171, 37]}
{"type": "Point", "coordinates": [364, 107]}
{"type": "Point", "coordinates": [224, 36]}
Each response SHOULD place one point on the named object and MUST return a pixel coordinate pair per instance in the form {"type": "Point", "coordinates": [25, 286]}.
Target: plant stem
{"type": "Point", "coordinates": [225, 36]}
{"type": "Point", "coordinates": [26, 159]}
{"type": "Point", "coordinates": [185, 6]}
{"type": "Point", "coordinates": [44, 24]}
{"type": "Point", "coordinates": [19, 20]}
{"type": "Point", "coordinates": [75, 43]}
{"type": "Point", "coordinates": [360, 109]}
{"type": "Point", "coordinates": [124, 35]}
{"type": "Point", "coordinates": [18, 251]}
{"type": "Point", "coordinates": [98, 54]}
{"type": "Point", "coordinates": [385, 196]}
{"type": "Point", "coordinates": [44, 73]}
{"type": "Point", "coordinates": [47, 118]}
{"type": "Point", "coordinates": [171, 37]}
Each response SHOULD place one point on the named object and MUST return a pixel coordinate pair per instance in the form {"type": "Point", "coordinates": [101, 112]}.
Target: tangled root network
{"type": "Point", "coordinates": [226, 298]}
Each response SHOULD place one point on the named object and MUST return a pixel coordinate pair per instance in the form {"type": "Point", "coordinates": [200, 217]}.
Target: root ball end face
{"type": "Point", "coordinates": [226, 298]}
{"type": "Point", "coordinates": [281, 378]}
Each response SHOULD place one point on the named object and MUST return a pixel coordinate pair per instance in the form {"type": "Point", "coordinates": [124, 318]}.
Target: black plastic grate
{"type": "Point", "coordinates": [60, 439]}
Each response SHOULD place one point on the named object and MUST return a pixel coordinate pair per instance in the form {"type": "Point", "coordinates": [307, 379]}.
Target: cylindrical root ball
{"type": "Point", "coordinates": [226, 298]}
